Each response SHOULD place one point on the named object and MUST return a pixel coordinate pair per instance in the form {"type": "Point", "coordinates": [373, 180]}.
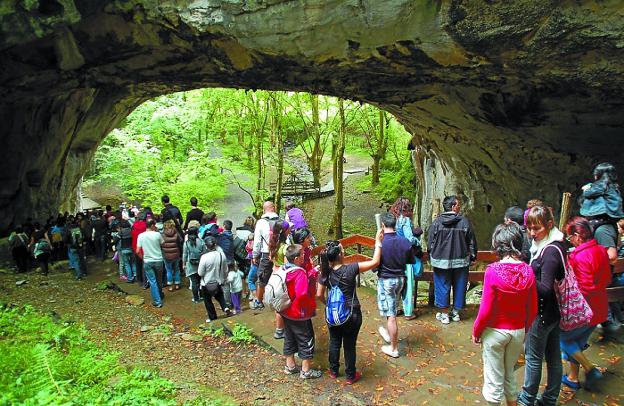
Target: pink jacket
{"type": "Point", "coordinates": [509, 298]}
{"type": "Point", "coordinates": [593, 274]}
{"type": "Point", "coordinates": [301, 286]}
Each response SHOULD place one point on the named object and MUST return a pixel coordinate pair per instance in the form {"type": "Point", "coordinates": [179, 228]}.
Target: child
{"type": "Point", "coordinates": [601, 200]}
{"type": "Point", "coordinates": [235, 279]}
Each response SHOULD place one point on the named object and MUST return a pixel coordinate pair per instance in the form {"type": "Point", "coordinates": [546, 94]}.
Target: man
{"type": "Point", "coordinates": [396, 254]}
{"type": "Point", "coordinates": [212, 270]}
{"type": "Point", "coordinates": [260, 253]}
{"type": "Point", "coordinates": [516, 215]}
{"type": "Point", "coordinates": [452, 249]}
{"type": "Point", "coordinates": [194, 214]}
{"type": "Point", "coordinates": [74, 240]}
{"type": "Point", "coordinates": [148, 247]}
{"type": "Point", "coordinates": [298, 328]}
{"type": "Point", "coordinates": [171, 212]}
{"type": "Point", "coordinates": [100, 227]}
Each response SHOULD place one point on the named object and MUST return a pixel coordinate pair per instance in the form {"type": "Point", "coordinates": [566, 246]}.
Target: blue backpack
{"type": "Point", "coordinates": [336, 311]}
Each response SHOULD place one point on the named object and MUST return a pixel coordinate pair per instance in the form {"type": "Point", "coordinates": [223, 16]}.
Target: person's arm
{"type": "Point", "coordinates": [45, 235]}
{"type": "Point", "coordinates": [138, 247]}
{"type": "Point", "coordinates": [594, 190]}
{"type": "Point", "coordinates": [184, 254]}
{"type": "Point", "coordinates": [374, 262]}
{"type": "Point", "coordinates": [224, 268]}
{"type": "Point", "coordinates": [431, 236]}
{"type": "Point", "coordinates": [472, 243]}
{"type": "Point", "coordinates": [612, 253]}
{"type": "Point", "coordinates": [406, 228]}
{"type": "Point", "coordinates": [551, 266]}
{"type": "Point", "coordinates": [201, 268]}
{"type": "Point", "coordinates": [320, 292]}
{"type": "Point", "coordinates": [485, 308]}
{"type": "Point", "coordinates": [257, 242]}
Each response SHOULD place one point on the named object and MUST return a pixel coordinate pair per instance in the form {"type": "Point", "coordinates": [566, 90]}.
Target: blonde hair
{"type": "Point", "coordinates": [170, 224]}
{"type": "Point", "coordinates": [534, 202]}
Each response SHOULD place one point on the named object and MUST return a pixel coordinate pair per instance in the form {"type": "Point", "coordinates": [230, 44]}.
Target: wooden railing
{"type": "Point", "coordinates": [360, 241]}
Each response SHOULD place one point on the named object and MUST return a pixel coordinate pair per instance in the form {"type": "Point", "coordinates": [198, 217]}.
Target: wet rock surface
{"type": "Point", "coordinates": [506, 100]}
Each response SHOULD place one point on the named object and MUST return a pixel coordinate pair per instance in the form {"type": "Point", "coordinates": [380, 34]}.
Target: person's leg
{"type": "Point", "coordinates": [460, 281]}
{"type": "Point", "coordinates": [512, 352]}
{"type": "Point", "coordinates": [195, 286]}
{"type": "Point", "coordinates": [534, 347]}
{"type": "Point", "coordinates": [82, 259]}
{"type": "Point", "coordinates": [304, 333]}
{"type": "Point", "coordinates": [290, 348]}
{"type": "Point", "coordinates": [349, 340]}
{"type": "Point", "coordinates": [335, 342]}
{"type": "Point", "coordinates": [252, 276]}
{"type": "Point", "coordinates": [554, 368]}
{"type": "Point", "coordinates": [151, 276]}
{"type": "Point", "coordinates": [210, 309]}
{"type": "Point", "coordinates": [442, 289]}
{"type": "Point", "coordinates": [73, 262]}
{"type": "Point", "coordinates": [44, 260]}
{"type": "Point", "coordinates": [169, 269]}
{"type": "Point", "coordinates": [393, 331]}
{"type": "Point", "coordinates": [226, 295]}
{"type": "Point", "coordinates": [219, 295]}
{"type": "Point", "coordinates": [236, 296]}
{"type": "Point", "coordinates": [494, 344]}
{"type": "Point", "coordinates": [160, 277]}
{"type": "Point", "coordinates": [177, 279]}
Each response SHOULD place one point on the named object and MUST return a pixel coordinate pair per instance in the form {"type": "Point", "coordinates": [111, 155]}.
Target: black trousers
{"type": "Point", "coordinates": [20, 256]}
{"type": "Point", "coordinates": [195, 278]}
{"type": "Point", "coordinates": [210, 291]}
{"type": "Point", "coordinates": [345, 335]}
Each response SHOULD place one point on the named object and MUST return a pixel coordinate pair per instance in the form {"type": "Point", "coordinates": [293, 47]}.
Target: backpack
{"type": "Point", "coordinates": [240, 252]}
{"type": "Point", "coordinates": [75, 237]}
{"type": "Point", "coordinates": [336, 311]}
{"type": "Point", "coordinates": [194, 252]}
{"type": "Point", "coordinates": [125, 233]}
{"type": "Point", "coordinates": [212, 230]}
{"type": "Point", "coordinates": [276, 291]}
{"type": "Point", "coordinates": [271, 222]}
{"type": "Point", "coordinates": [57, 237]}
{"type": "Point", "coordinates": [42, 246]}
{"type": "Point", "coordinates": [226, 242]}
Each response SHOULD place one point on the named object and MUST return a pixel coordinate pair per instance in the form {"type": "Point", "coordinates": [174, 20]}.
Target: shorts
{"type": "Point", "coordinates": [265, 269]}
{"type": "Point", "coordinates": [299, 338]}
{"type": "Point", "coordinates": [389, 294]}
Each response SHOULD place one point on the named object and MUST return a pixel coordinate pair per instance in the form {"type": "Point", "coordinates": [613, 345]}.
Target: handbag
{"type": "Point", "coordinates": [575, 312]}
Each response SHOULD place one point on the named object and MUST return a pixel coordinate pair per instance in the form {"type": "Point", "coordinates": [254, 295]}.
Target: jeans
{"type": "Point", "coordinates": [346, 336]}
{"type": "Point", "coordinates": [210, 291]}
{"type": "Point", "coordinates": [542, 341]}
{"type": "Point", "coordinates": [173, 271]}
{"type": "Point", "coordinates": [77, 262]}
{"type": "Point", "coordinates": [127, 260]}
{"type": "Point", "coordinates": [153, 273]}
{"type": "Point", "coordinates": [138, 261]}
{"type": "Point", "coordinates": [252, 277]}
{"type": "Point", "coordinates": [443, 279]}
{"type": "Point", "coordinates": [100, 246]}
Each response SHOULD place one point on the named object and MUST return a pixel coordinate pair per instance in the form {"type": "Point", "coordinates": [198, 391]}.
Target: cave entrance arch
{"type": "Point", "coordinates": [506, 101]}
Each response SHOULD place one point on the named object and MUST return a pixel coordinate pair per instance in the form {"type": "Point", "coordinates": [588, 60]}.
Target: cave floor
{"type": "Point", "coordinates": [438, 364]}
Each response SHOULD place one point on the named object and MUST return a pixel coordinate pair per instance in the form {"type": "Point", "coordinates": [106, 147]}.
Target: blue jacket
{"type": "Point", "coordinates": [601, 198]}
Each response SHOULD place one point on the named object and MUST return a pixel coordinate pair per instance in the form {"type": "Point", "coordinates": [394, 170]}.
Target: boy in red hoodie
{"type": "Point", "coordinates": [298, 329]}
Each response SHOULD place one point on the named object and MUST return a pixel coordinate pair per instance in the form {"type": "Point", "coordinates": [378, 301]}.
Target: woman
{"type": "Point", "coordinates": [590, 263]}
{"type": "Point", "coordinates": [18, 243]}
{"type": "Point", "coordinates": [402, 210]}
{"type": "Point", "coordinates": [508, 308]}
{"type": "Point", "coordinates": [335, 272]}
{"type": "Point", "coordinates": [213, 272]}
{"type": "Point", "coordinates": [542, 340]}
{"type": "Point", "coordinates": [171, 254]}
{"type": "Point", "coordinates": [247, 228]}
{"type": "Point", "coordinates": [192, 252]}
{"type": "Point", "coordinates": [41, 247]}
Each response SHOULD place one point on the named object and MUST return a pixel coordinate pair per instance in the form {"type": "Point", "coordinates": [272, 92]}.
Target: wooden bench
{"type": "Point", "coordinates": [615, 294]}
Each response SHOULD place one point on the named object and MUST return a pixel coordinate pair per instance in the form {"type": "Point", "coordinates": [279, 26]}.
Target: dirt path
{"type": "Point", "coordinates": [439, 366]}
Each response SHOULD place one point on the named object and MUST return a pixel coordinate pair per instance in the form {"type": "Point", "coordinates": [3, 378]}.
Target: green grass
{"type": "Point", "coordinates": [50, 363]}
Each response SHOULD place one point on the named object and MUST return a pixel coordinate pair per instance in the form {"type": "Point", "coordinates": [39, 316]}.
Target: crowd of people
{"type": "Point", "coordinates": [271, 256]}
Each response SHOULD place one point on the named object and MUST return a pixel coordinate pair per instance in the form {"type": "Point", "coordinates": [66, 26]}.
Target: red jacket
{"type": "Point", "coordinates": [138, 227]}
{"type": "Point", "coordinates": [301, 286]}
{"type": "Point", "coordinates": [593, 274]}
{"type": "Point", "coordinates": [509, 299]}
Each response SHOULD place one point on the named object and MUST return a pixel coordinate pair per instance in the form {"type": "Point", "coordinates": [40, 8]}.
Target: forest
{"type": "Point", "coordinates": [193, 143]}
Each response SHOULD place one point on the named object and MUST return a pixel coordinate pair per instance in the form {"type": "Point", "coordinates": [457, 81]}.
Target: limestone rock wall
{"type": "Point", "coordinates": [506, 100]}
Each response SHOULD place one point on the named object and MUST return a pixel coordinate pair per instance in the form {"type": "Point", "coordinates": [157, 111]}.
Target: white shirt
{"type": "Point", "coordinates": [150, 242]}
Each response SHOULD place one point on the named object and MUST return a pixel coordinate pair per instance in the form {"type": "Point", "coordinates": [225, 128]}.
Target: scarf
{"type": "Point", "coordinates": [538, 246]}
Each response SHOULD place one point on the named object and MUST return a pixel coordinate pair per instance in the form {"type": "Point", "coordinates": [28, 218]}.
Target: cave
{"type": "Point", "coordinates": [506, 101]}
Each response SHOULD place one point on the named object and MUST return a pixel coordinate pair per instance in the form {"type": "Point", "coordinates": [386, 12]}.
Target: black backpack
{"type": "Point", "coordinates": [240, 253]}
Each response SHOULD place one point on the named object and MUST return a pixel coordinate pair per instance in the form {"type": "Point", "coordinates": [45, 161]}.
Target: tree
{"type": "Point", "coordinates": [277, 136]}
{"type": "Point", "coordinates": [338, 168]}
{"type": "Point", "coordinates": [374, 124]}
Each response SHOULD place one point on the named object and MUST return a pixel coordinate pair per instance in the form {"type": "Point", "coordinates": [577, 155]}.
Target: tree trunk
{"type": "Point", "coordinates": [382, 145]}
{"type": "Point", "coordinates": [316, 156]}
{"type": "Point", "coordinates": [375, 170]}
{"type": "Point", "coordinates": [339, 167]}
{"type": "Point", "coordinates": [276, 134]}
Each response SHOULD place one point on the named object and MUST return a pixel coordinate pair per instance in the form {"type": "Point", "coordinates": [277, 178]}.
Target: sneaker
{"type": "Point", "coordinates": [443, 318]}
{"type": "Point", "coordinates": [384, 334]}
{"type": "Point", "coordinates": [158, 305]}
{"type": "Point", "coordinates": [123, 278]}
{"type": "Point", "coordinates": [256, 305]}
{"type": "Point", "coordinates": [357, 377]}
{"type": "Point", "coordinates": [387, 349]}
{"type": "Point", "coordinates": [332, 374]}
{"type": "Point", "coordinates": [454, 315]}
{"type": "Point", "coordinates": [310, 374]}
{"type": "Point", "coordinates": [278, 334]}
{"type": "Point", "coordinates": [208, 321]}
{"type": "Point", "coordinates": [290, 371]}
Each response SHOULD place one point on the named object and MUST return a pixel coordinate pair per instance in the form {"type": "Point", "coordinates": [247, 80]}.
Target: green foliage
{"type": "Point", "coordinates": [241, 334]}
{"type": "Point", "coordinates": [216, 333]}
{"type": "Point", "coordinates": [47, 363]}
